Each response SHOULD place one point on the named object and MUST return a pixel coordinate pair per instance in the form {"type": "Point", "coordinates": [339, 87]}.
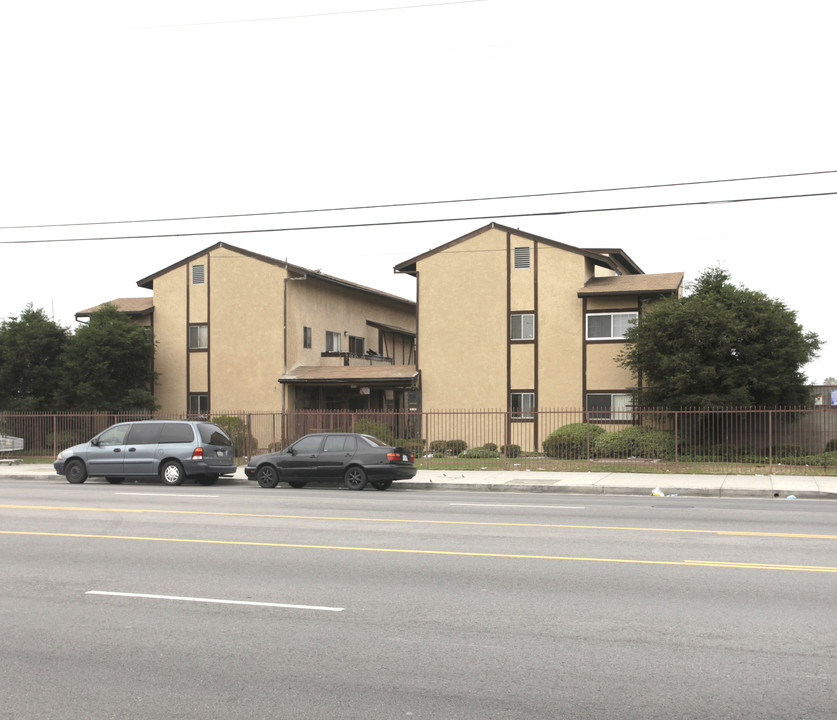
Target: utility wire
{"type": "Point", "coordinates": [418, 222]}
{"type": "Point", "coordinates": [324, 14]}
{"type": "Point", "coordinates": [427, 202]}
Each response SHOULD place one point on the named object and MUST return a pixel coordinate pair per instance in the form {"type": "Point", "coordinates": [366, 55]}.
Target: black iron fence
{"type": "Point", "coordinates": [781, 440]}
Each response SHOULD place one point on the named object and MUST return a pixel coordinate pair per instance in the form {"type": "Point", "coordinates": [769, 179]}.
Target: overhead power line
{"type": "Point", "coordinates": [385, 206]}
{"type": "Point", "coordinates": [345, 226]}
{"type": "Point", "coordinates": [323, 14]}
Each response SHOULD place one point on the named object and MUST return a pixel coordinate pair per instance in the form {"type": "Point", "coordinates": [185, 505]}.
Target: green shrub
{"type": "Point", "coordinates": [438, 448]}
{"type": "Point", "coordinates": [511, 451]}
{"type": "Point", "coordinates": [480, 452]}
{"type": "Point", "coordinates": [638, 441]}
{"type": "Point", "coordinates": [787, 451]}
{"type": "Point", "coordinates": [569, 442]}
{"type": "Point", "coordinates": [237, 430]}
{"type": "Point", "coordinates": [415, 446]}
{"type": "Point", "coordinates": [379, 430]}
{"type": "Point", "coordinates": [66, 438]}
{"type": "Point", "coordinates": [491, 446]}
{"type": "Point", "coordinates": [457, 447]}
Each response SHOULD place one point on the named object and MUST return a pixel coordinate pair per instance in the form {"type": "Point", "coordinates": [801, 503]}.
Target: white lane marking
{"type": "Point", "coordinates": [166, 494]}
{"type": "Point", "coordinates": [514, 505]}
{"type": "Point", "coordinates": [213, 600]}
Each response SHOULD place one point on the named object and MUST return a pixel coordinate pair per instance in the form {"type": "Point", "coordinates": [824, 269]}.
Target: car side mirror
{"type": "Point", "coordinates": [291, 451]}
{"type": "Point", "coordinates": [95, 442]}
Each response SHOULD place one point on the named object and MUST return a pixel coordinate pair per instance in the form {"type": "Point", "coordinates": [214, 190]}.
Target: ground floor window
{"type": "Point", "coordinates": [609, 406]}
{"type": "Point", "coordinates": [522, 405]}
{"type": "Point", "coordinates": [198, 404]}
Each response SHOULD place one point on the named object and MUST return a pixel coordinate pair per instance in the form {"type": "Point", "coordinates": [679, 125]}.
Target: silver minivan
{"type": "Point", "coordinates": [172, 450]}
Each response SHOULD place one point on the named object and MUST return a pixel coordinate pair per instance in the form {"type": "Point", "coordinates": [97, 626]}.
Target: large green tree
{"type": "Point", "coordinates": [30, 347]}
{"type": "Point", "coordinates": [108, 364]}
{"type": "Point", "coordinates": [721, 345]}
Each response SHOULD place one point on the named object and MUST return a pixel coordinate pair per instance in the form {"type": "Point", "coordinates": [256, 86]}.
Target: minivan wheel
{"type": "Point", "coordinates": [208, 480]}
{"type": "Point", "coordinates": [75, 472]}
{"type": "Point", "coordinates": [171, 473]}
{"type": "Point", "coordinates": [267, 476]}
{"type": "Point", "coordinates": [355, 478]}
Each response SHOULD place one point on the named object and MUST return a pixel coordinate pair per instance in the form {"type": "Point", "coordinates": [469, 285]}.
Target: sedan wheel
{"type": "Point", "coordinates": [171, 473]}
{"type": "Point", "coordinates": [297, 483]}
{"type": "Point", "coordinates": [355, 478]}
{"type": "Point", "coordinates": [381, 484]}
{"type": "Point", "coordinates": [267, 476]}
{"type": "Point", "coordinates": [114, 481]}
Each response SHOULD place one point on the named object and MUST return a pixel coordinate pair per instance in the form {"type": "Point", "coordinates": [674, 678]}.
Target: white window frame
{"type": "Point", "coordinates": [632, 315]}
{"type": "Point", "coordinates": [525, 329]}
{"type": "Point", "coordinates": [198, 404]}
{"type": "Point", "coordinates": [524, 407]}
{"type": "Point", "coordinates": [618, 408]}
{"type": "Point", "coordinates": [333, 340]}
{"type": "Point", "coordinates": [199, 337]}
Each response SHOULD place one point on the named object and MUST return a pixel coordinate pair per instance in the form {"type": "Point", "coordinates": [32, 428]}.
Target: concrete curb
{"type": "Point", "coordinates": [567, 483]}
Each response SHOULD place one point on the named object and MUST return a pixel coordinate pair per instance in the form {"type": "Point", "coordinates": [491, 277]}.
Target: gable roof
{"type": "Point", "coordinates": [613, 259]}
{"type": "Point", "coordinates": [129, 306]}
{"type": "Point", "coordinates": [656, 284]}
{"type": "Point", "coordinates": [148, 282]}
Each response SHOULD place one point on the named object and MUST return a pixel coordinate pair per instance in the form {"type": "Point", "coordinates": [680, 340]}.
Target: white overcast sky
{"type": "Point", "coordinates": [163, 109]}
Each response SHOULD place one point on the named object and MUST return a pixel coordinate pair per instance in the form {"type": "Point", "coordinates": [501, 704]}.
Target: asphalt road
{"type": "Point", "coordinates": [138, 601]}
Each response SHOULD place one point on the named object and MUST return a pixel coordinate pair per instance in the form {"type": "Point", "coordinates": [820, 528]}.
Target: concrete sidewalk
{"type": "Point", "coordinates": [601, 483]}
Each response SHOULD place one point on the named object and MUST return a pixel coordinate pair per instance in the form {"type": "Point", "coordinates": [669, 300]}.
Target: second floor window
{"type": "Point", "coordinates": [332, 341]}
{"type": "Point", "coordinates": [357, 345]}
{"type": "Point", "coordinates": [609, 326]}
{"type": "Point", "coordinates": [306, 337]}
{"type": "Point", "coordinates": [522, 326]}
{"type": "Point", "coordinates": [198, 337]}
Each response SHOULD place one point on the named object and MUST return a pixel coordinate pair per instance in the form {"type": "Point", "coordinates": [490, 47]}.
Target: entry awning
{"type": "Point", "coordinates": [377, 375]}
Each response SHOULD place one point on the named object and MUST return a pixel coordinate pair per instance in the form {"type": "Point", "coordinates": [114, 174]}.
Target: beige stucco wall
{"type": "Point", "coordinates": [171, 356]}
{"type": "Point", "coordinates": [242, 302]}
{"type": "Point", "coordinates": [561, 338]}
{"type": "Point", "coordinates": [466, 292]}
{"type": "Point", "coordinates": [464, 324]}
{"type": "Point", "coordinates": [603, 370]}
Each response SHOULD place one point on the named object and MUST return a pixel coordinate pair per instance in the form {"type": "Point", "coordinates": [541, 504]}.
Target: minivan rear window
{"type": "Point", "coordinates": [213, 435]}
{"type": "Point", "coordinates": [144, 433]}
{"type": "Point", "coordinates": [177, 433]}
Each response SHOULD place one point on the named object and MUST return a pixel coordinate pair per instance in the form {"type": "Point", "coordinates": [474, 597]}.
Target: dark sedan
{"type": "Point", "coordinates": [353, 458]}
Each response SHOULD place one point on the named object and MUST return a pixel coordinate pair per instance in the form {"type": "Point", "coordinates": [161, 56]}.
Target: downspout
{"type": "Point", "coordinates": [285, 329]}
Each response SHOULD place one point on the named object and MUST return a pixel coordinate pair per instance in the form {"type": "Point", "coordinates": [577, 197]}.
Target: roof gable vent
{"type": "Point", "coordinates": [521, 258]}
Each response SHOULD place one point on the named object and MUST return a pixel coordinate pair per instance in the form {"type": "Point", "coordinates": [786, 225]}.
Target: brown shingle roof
{"type": "Point", "coordinates": [655, 284]}
{"type": "Point", "coordinates": [130, 306]}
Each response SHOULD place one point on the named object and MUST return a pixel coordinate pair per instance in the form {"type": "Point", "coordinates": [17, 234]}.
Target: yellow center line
{"type": "Point", "coordinates": [450, 553]}
{"type": "Point", "coordinates": [420, 522]}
